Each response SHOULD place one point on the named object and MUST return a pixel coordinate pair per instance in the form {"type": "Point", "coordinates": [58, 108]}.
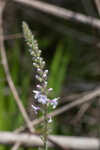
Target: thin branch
{"type": "Point", "coordinates": [64, 30]}
{"type": "Point", "coordinates": [62, 12]}
{"type": "Point", "coordinates": [31, 140]}
{"type": "Point", "coordinates": [81, 112]}
{"type": "Point", "coordinates": [12, 36]}
{"type": "Point", "coordinates": [16, 146]}
{"type": "Point", "coordinates": [7, 73]}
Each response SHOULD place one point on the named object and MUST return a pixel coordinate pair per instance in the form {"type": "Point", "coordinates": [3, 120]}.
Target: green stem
{"type": "Point", "coordinates": [45, 127]}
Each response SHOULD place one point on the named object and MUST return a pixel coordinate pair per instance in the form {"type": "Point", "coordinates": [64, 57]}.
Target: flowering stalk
{"type": "Point", "coordinates": [41, 94]}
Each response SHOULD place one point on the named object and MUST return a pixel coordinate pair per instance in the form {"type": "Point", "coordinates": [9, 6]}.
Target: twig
{"type": "Point", "coordinates": [16, 146]}
{"type": "Point", "coordinates": [12, 36]}
{"type": "Point", "coordinates": [7, 73]}
{"type": "Point", "coordinates": [60, 29]}
{"type": "Point", "coordinates": [81, 112]}
{"type": "Point", "coordinates": [61, 12]}
{"type": "Point", "coordinates": [31, 140]}
{"type": "Point", "coordinates": [64, 30]}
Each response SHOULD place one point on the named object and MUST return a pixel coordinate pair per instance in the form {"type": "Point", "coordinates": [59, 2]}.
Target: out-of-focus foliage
{"type": "Point", "coordinates": [10, 117]}
{"type": "Point", "coordinates": [59, 65]}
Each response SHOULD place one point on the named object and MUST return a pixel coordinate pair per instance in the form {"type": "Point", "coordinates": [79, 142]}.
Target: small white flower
{"type": "Point", "coordinates": [38, 78]}
{"type": "Point", "coordinates": [38, 86]}
{"type": "Point", "coordinates": [38, 58]}
{"type": "Point", "coordinates": [46, 71]}
{"type": "Point", "coordinates": [37, 94]}
{"type": "Point", "coordinates": [43, 63]}
{"type": "Point", "coordinates": [39, 51]}
{"type": "Point", "coordinates": [44, 75]}
{"type": "Point", "coordinates": [50, 89]}
{"type": "Point", "coordinates": [45, 83]}
{"type": "Point", "coordinates": [32, 53]}
{"type": "Point", "coordinates": [41, 59]}
{"type": "Point", "coordinates": [36, 47]}
{"type": "Point", "coordinates": [34, 64]}
{"type": "Point", "coordinates": [38, 69]}
{"type": "Point", "coordinates": [50, 120]}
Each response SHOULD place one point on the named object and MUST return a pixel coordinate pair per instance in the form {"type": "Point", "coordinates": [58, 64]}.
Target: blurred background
{"type": "Point", "coordinates": [72, 53]}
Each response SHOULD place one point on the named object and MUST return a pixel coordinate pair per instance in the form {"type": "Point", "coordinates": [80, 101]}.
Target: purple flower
{"type": "Point", "coordinates": [40, 97]}
{"type": "Point", "coordinates": [54, 102]}
{"type": "Point", "coordinates": [35, 109]}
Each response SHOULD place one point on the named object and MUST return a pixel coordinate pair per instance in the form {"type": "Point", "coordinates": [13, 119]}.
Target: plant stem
{"type": "Point", "coordinates": [45, 127]}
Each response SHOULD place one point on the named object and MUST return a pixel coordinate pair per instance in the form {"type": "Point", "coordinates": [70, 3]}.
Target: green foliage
{"type": "Point", "coordinates": [3, 115]}
{"type": "Point", "coordinates": [59, 66]}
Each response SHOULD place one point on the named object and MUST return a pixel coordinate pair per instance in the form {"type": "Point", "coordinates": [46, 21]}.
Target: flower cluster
{"type": "Point", "coordinates": [43, 99]}
{"type": "Point", "coordinates": [41, 94]}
